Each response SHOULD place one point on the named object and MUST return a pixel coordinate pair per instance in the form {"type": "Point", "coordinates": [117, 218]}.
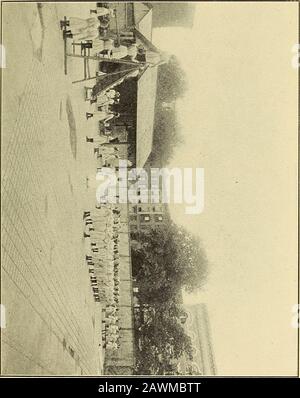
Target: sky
{"type": "Point", "coordinates": [239, 119]}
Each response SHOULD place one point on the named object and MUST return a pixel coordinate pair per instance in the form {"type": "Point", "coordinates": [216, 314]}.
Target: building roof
{"type": "Point", "coordinates": [111, 80]}
{"type": "Point", "coordinates": [145, 26]}
{"type": "Point", "coordinates": [145, 115]}
{"type": "Point", "coordinates": [140, 11]}
{"type": "Point", "coordinates": [144, 41]}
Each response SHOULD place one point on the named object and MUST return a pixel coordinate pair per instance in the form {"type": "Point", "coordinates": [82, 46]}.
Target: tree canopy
{"type": "Point", "coordinates": [171, 85]}
{"type": "Point", "coordinates": [166, 135]}
{"type": "Point", "coordinates": [162, 342]}
{"type": "Point", "coordinates": [165, 261]}
{"type": "Point", "coordinates": [168, 259]}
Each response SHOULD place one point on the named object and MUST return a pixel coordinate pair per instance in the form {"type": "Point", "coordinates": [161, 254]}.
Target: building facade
{"type": "Point", "coordinates": [179, 14]}
{"type": "Point", "coordinates": [197, 326]}
{"type": "Point", "coordinates": [149, 212]}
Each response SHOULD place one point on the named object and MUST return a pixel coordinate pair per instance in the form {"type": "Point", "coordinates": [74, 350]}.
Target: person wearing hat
{"type": "Point", "coordinates": [104, 11]}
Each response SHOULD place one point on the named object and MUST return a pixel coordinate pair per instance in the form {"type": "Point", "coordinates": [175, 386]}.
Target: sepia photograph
{"type": "Point", "coordinates": [149, 189]}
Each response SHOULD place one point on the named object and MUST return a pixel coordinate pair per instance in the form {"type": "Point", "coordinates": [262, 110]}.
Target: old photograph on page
{"type": "Point", "coordinates": [149, 163]}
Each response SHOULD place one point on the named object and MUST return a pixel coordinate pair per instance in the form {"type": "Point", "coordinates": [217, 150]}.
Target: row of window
{"type": "Point", "coordinates": [145, 218]}
{"type": "Point", "coordinates": [140, 209]}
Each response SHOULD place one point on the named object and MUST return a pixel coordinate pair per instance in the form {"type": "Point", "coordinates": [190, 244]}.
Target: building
{"type": "Point", "coordinates": [136, 80]}
{"type": "Point", "coordinates": [161, 14]}
{"type": "Point", "coordinates": [137, 84]}
{"type": "Point", "coordinates": [197, 326]}
{"type": "Point", "coordinates": [149, 212]}
{"type": "Point", "coordinates": [179, 14]}
{"type": "Point", "coordinates": [146, 216]}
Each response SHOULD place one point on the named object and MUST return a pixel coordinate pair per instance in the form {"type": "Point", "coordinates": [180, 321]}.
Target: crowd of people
{"type": "Point", "coordinates": [95, 33]}
{"type": "Point", "coordinates": [108, 155]}
{"type": "Point", "coordinates": [90, 28]}
{"type": "Point", "coordinates": [105, 106]}
{"type": "Point", "coordinates": [102, 221]}
{"type": "Point", "coordinates": [102, 227]}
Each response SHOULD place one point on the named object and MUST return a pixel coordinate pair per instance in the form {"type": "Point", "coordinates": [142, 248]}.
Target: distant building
{"type": "Point", "coordinates": [161, 14]}
{"type": "Point", "coordinates": [197, 327]}
{"type": "Point", "coordinates": [179, 14]}
{"type": "Point", "coordinates": [146, 215]}
{"type": "Point", "coordinates": [136, 81]}
{"type": "Point", "coordinates": [136, 121]}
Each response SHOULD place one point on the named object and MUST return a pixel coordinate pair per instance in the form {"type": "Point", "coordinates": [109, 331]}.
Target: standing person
{"type": "Point", "coordinates": [104, 11]}
{"type": "Point", "coordinates": [132, 51]}
{"type": "Point", "coordinates": [112, 93]}
{"type": "Point", "coordinates": [105, 106]}
{"type": "Point", "coordinates": [101, 115]}
{"type": "Point", "coordinates": [119, 52]}
{"type": "Point", "coordinates": [115, 106]}
{"type": "Point", "coordinates": [91, 33]}
{"type": "Point", "coordinates": [102, 44]}
{"type": "Point", "coordinates": [114, 161]}
{"type": "Point", "coordinates": [106, 152]}
{"type": "Point", "coordinates": [98, 140]}
{"type": "Point", "coordinates": [79, 25]}
{"type": "Point", "coordinates": [102, 99]}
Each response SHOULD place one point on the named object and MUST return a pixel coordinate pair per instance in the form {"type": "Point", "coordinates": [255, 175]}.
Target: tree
{"type": "Point", "coordinates": [171, 83]}
{"type": "Point", "coordinates": [166, 135]}
{"type": "Point", "coordinates": [162, 341]}
{"type": "Point", "coordinates": [166, 260]}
